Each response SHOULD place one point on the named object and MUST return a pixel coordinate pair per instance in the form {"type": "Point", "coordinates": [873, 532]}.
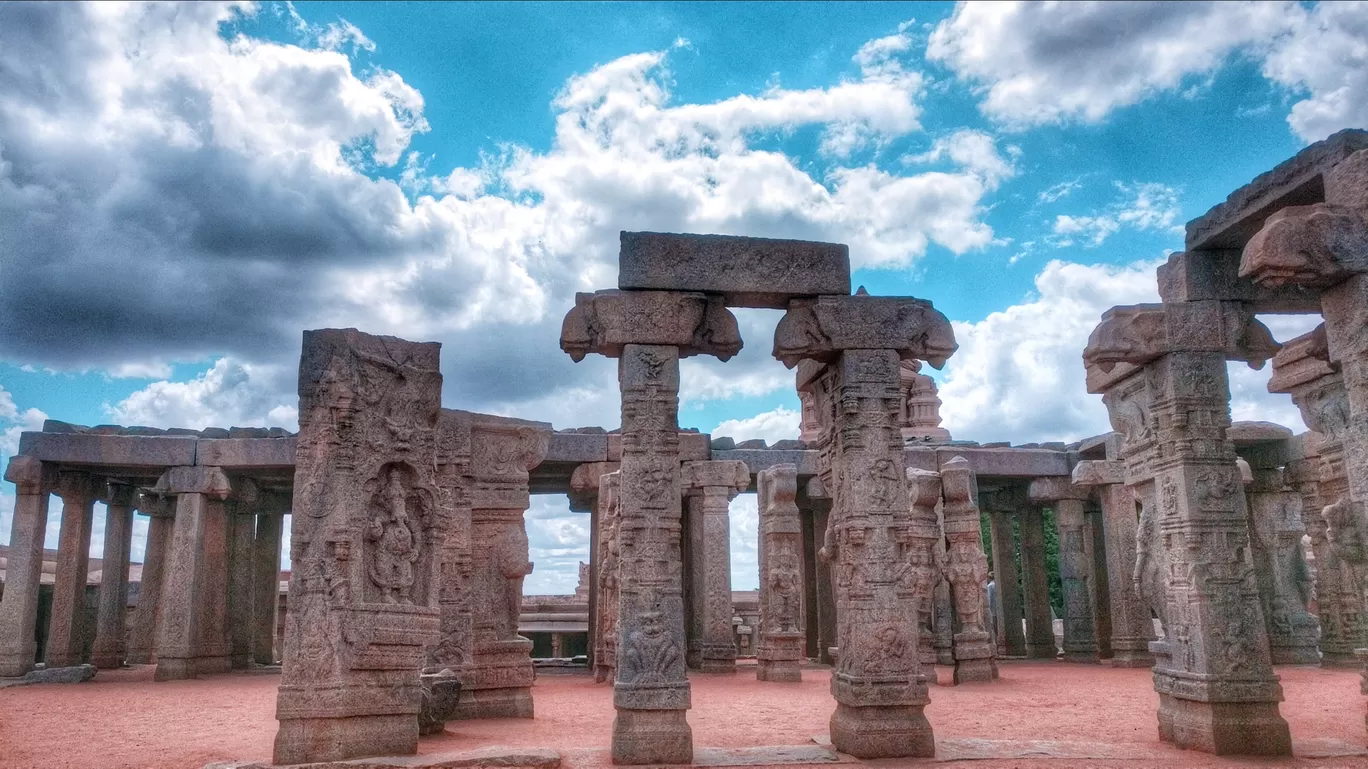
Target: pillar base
{"type": "Point", "coordinates": [717, 666]}
{"type": "Point", "coordinates": [212, 665]}
{"type": "Point", "coordinates": [882, 732]}
{"type": "Point", "coordinates": [780, 671]}
{"type": "Point", "coordinates": [494, 703]}
{"type": "Point", "coordinates": [306, 740]}
{"type": "Point", "coordinates": [974, 671]}
{"type": "Point", "coordinates": [175, 669]}
{"type": "Point", "coordinates": [1224, 728]}
{"type": "Point", "coordinates": [107, 660]}
{"type": "Point", "coordinates": [1327, 660]}
{"type": "Point", "coordinates": [1085, 657]}
{"type": "Point", "coordinates": [652, 737]}
{"type": "Point", "coordinates": [1132, 658]}
{"type": "Point", "coordinates": [1295, 655]}
{"type": "Point", "coordinates": [140, 657]}
{"type": "Point", "coordinates": [1041, 651]}
{"type": "Point", "coordinates": [17, 662]}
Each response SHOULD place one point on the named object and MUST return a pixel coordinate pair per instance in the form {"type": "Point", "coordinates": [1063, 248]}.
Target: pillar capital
{"type": "Point", "coordinates": [720, 475]}
{"type": "Point", "coordinates": [1099, 472]}
{"type": "Point", "coordinates": [28, 474]}
{"type": "Point", "coordinates": [1137, 334]}
{"type": "Point", "coordinates": [605, 321]}
{"type": "Point", "coordinates": [120, 494]}
{"type": "Point", "coordinates": [821, 329]}
{"type": "Point", "coordinates": [1315, 246]}
{"type": "Point", "coordinates": [584, 484]}
{"type": "Point", "coordinates": [155, 505]}
{"type": "Point", "coordinates": [77, 487]}
{"type": "Point", "coordinates": [1054, 489]}
{"type": "Point", "coordinates": [503, 451]}
{"type": "Point", "coordinates": [210, 481]}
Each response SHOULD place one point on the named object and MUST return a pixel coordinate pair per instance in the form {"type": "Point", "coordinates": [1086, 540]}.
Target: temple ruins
{"type": "Point", "coordinates": [1207, 550]}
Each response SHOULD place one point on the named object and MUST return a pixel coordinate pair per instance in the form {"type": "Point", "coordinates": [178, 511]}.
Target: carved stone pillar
{"type": "Point", "coordinates": [1010, 633]}
{"type": "Point", "coordinates": [924, 544]}
{"type": "Point", "coordinates": [815, 504]}
{"type": "Point", "coordinates": [1217, 691]}
{"type": "Point", "coordinates": [215, 625]}
{"type": "Point", "coordinates": [199, 493]}
{"type": "Point", "coordinates": [1075, 568]}
{"type": "Point", "coordinates": [19, 604]}
{"type": "Point", "coordinates": [648, 331]}
{"type": "Point", "coordinates": [1035, 582]}
{"type": "Point", "coordinates": [503, 450]}
{"type": "Point", "coordinates": [1100, 592]}
{"type": "Point", "coordinates": [609, 578]}
{"type": "Point", "coordinates": [241, 514]}
{"type": "Point", "coordinates": [66, 630]}
{"type": "Point", "coordinates": [585, 483]}
{"type": "Point", "coordinates": [266, 585]}
{"type": "Point", "coordinates": [780, 653]}
{"type": "Point", "coordinates": [709, 487]}
{"type": "Point", "coordinates": [142, 641]}
{"type": "Point", "coordinates": [455, 595]}
{"type": "Point", "coordinates": [1132, 628]}
{"type": "Point", "coordinates": [966, 569]}
{"type": "Point", "coordinates": [110, 643]}
{"type": "Point", "coordinates": [365, 539]}
{"type": "Point", "coordinates": [1285, 587]}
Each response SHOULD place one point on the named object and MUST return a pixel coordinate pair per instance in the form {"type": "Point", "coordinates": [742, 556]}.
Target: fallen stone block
{"type": "Point", "coordinates": [74, 674]}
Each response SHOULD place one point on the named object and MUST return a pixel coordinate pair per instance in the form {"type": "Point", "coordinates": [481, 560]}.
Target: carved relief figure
{"type": "Point", "coordinates": [784, 587]}
{"type": "Point", "coordinates": [396, 541]}
{"type": "Point", "coordinates": [651, 654]}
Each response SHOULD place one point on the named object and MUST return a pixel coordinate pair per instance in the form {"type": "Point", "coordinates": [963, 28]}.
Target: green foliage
{"type": "Point", "coordinates": [1052, 561]}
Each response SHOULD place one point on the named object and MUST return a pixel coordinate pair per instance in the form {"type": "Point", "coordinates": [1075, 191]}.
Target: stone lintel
{"type": "Point", "coordinates": [1196, 276]}
{"type": "Point", "coordinates": [1302, 360]}
{"type": "Point", "coordinates": [584, 484]}
{"type": "Point", "coordinates": [715, 473]}
{"type": "Point", "coordinates": [246, 452]}
{"type": "Point", "coordinates": [1044, 490]}
{"type": "Point", "coordinates": [1313, 247]}
{"type": "Point", "coordinates": [577, 447]}
{"type": "Point", "coordinates": [194, 480]}
{"type": "Point", "coordinates": [1099, 472]}
{"type": "Point", "coordinates": [747, 272]}
{"type": "Point", "coordinates": [605, 321]}
{"type": "Point", "coordinates": [110, 450]}
{"type": "Point", "coordinates": [821, 329]}
{"type": "Point", "coordinates": [28, 474]}
{"type": "Point", "coordinates": [1297, 181]}
{"type": "Point", "coordinates": [1249, 434]}
{"type": "Point", "coordinates": [1139, 333]}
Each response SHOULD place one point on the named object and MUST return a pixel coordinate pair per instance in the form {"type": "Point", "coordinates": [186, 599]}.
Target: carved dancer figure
{"type": "Point", "coordinates": [396, 544]}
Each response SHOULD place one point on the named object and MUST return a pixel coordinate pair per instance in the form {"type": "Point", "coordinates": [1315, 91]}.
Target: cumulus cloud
{"type": "Point", "coordinates": [231, 393]}
{"type": "Point", "coordinates": [1145, 206]}
{"type": "Point", "coordinates": [745, 539]}
{"type": "Point", "coordinates": [558, 541]}
{"type": "Point", "coordinates": [1325, 60]}
{"type": "Point", "coordinates": [13, 421]}
{"type": "Point", "coordinates": [775, 425]}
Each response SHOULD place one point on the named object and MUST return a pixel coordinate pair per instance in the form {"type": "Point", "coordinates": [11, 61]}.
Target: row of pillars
{"type": "Point", "coordinates": [210, 579]}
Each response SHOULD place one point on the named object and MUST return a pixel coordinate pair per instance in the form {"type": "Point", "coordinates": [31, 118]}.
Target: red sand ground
{"type": "Point", "coordinates": [123, 719]}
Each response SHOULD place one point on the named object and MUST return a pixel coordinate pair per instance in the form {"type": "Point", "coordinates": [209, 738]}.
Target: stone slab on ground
{"type": "Point", "coordinates": [493, 756]}
{"type": "Point", "coordinates": [73, 674]}
{"type": "Point", "coordinates": [774, 755]}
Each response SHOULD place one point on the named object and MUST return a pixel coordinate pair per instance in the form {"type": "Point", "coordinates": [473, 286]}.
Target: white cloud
{"type": "Point", "coordinates": [1325, 59]}
{"type": "Point", "coordinates": [1093, 229]}
{"type": "Point", "coordinates": [230, 394]}
{"type": "Point", "coordinates": [1057, 191]}
{"type": "Point", "coordinates": [558, 540]}
{"type": "Point", "coordinates": [13, 421]}
{"type": "Point", "coordinates": [1056, 62]}
{"type": "Point", "coordinates": [745, 538]}
{"type": "Point", "coordinates": [1144, 206]}
{"type": "Point", "coordinates": [776, 425]}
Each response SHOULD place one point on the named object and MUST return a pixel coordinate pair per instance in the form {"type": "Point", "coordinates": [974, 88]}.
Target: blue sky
{"type": "Point", "coordinates": [186, 188]}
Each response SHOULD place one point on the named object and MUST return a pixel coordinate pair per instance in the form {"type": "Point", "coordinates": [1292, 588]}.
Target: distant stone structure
{"type": "Point", "coordinates": [919, 415]}
{"type": "Point", "coordinates": [782, 624]}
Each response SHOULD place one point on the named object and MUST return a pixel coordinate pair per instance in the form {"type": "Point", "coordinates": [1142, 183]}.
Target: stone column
{"type": "Point", "coordinates": [215, 625]}
{"type": "Point", "coordinates": [199, 493]}
{"type": "Point", "coordinates": [66, 630]}
{"type": "Point", "coordinates": [608, 577]}
{"type": "Point", "coordinates": [824, 599]}
{"type": "Point", "coordinates": [1217, 691]}
{"type": "Point", "coordinates": [241, 514]}
{"type": "Point", "coordinates": [366, 532]}
{"type": "Point", "coordinates": [879, 689]}
{"type": "Point", "coordinates": [19, 603]}
{"type": "Point", "coordinates": [584, 497]}
{"type": "Point", "coordinates": [1075, 568]}
{"type": "Point", "coordinates": [142, 641]}
{"type": "Point", "coordinates": [924, 545]}
{"type": "Point", "coordinates": [780, 652]}
{"type": "Point", "coordinates": [454, 650]}
{"type": "Point", "coordinates": [110, 643]}
{"type": "Point", "coordinates": [709, 487]}
{"type": "Point", "coordinates": [1011, 637]}
{"type": "Point", "coordinates": [1040, 640]}
{"type": "Point", "coordinates": [1285, 587]}
{"type": "Point", "coordinates": [266, 582]}
{"type": "Point", "coordinates": [503, 450]}
{"type": "Point", "coordinates": [1132, 629]}
{"type": "Point", "coordinates": [648, 331]}
{"type": "Point", "coordinates": [1302, 369]}
{"type": "Point", "coordinates": [1096, 547]}
{"type": "Point", "coordinates": [966, 569]}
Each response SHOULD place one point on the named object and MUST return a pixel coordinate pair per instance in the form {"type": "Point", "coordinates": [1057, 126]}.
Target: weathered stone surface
{"type": "Point", "coordinates": [1213, 275]}
{"type": "Point", "coordinates": [754, 443]}
{"type": "Point", "coordinates": [692, 447]}
{"type": "Point", "coordinates": [966, 569]}
{"type": "Point", "coordinates": [819, 329]}
{"type": "Point", "coordinates": [709, 487]}
{"type": "Point", "coordinates": [72, 674]}
{"type": "Point", "coordinates": [1137, 334]}
{"type": "Point", "coordinates": [19, 603]}
{"type": "Point", "coordinates": [364, 588]}
{"type": "Point", "coordinates": [110, 645]}
{"type": "Point", "coordinates": [246, 452]}
{"type": "Point", "coordinates": [143, 636]}
{"type": "Point", "coordinates": [782, 619]}
{"type": "Point", "coordinates": [483, 758]}
{"type": "Point", "coordinates": [1286, 585]}
{"type": "Point", "coordinates": [115, 450]}
{"type": "Point", "coordinates": [441, 693]}
{"type": "Point", "coordinates": [605, 321]}
{"type": "Point", "coordinates": [747, 272]}
{"type": "Point", "coordinates": [66, 628]}
{"type": "Point", "coordinates": [1011, 641]}
{"type": "Point", "coordinates": [1098, 472]}
{"type": "Point", "coordinates": [919, 413]}
{"type": "Point", "coordinates": [1313, 246]}
{"type": "Point", "coordinates": [1040, 638]}
{"type": "Point", "coordinates": [1297, 181]}
{"type": "Point", "coordinates": [609, 574]}
{"type": "Point", "coordinates": [1246, 434]}
{"type": "Point", "coordinates": [577, 447]}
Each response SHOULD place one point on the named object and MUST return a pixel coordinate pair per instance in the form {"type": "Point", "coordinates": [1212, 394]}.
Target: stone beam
{"type": "Point", "coordinates": [821, 329]}
{"type": "Point", "coordinates": [606, 321]}
{"type": "Point", "coordinates": [747, 272]}
{"type": "Point", "coordinates": [1195, 276]}
{"type": "Point", "coordinates": [1138, 334]}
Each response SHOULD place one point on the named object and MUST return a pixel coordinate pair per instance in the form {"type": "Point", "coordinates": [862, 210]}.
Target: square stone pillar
{"type": "Point", "coordinates": [824, 599]}
{"type": "Point", "coordinates": [186, 586]}
{"type": "Point", "coordinates": [1075, 565]}
{"type": "Point", "coordinates": [966, 569]}
{"type": "Point", "coordinates": [265, 586]}
{"type": "Point", "coordinates": [584, 495]}
{"type": "Point", "coordinates": [1217, 691]}
{"type": "Point", "coordinates": [454, 650]}
{"type": "Point", "coordinates": [608, 578]}
{"type": "Point", "coordinates": [924, 543]}
{"type": "Point", "coordinates": [1132, 627]}
{"type": "Point", "coordinates": [240, 512]}
{"type": "Point", "coordinates": [1285, 586]}
{"type": "Point", "coordinates": [366, 529]}
{"type": "Point", "coordinates": [66, 630]}
{"type": "Point", "coordinates": [780, 651]}
{"type": "Point", "coordinates": [142, 640]}
{"type": "Point", "coordinates": [1040, 639]}
{"type": "Point", "coordinates": [709, 487]}
{"type": "Point", "coordinates": [110, 643]}
{"type": "Point", "coordinates": [1100, 587]}
{"type": "Point", "coordinates": [215, 625]}
{"type": "Point", "coordinates": [1010, 633]}
{"type": "Point", "coordinates": [498, 683]}
{"type": "Point", "coordinates": [19, 603]}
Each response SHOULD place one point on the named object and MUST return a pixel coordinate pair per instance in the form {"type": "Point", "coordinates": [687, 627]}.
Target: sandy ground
{"type": "Point", "coordinates": [123, 719]}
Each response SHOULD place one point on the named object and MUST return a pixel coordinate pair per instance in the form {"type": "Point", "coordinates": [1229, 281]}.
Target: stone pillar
{"type": "Point", "coordinates": [780, 652]}
{"type": "Point", "coordinates": [1217, 691]}
{"type": "Point", "coordinates": [824, 598]}
{"type": "Point", "coordinates": [142, 640]}
{"type": "Point", "coordinates": [1132, 629]}
{"type": "Point", "coordinates": [585, 483]}
{"type": "Point", "coordinates": [199, 493]}
{"type": "Point", "coordinates": [1096, 547]}
{"type": "Point", "coordinates": [1285, 587]}
{"type": "Point", "coordinates": [710, 486]}
{"type": "Point", "coordinates": [66, 630]}
{"type": "Point", "coordinates": [1040, 640]}
{"type": "Point", "coordinates": [215, 625]}
{"type": "Point", "coordinates": [966, 569]}
{"type": "Point", "coordinates": [110, 643]}
{"type": "Point", "coordinates": [19, 603]}
{"type": "Point", "coordinates": [366, 532]}
{"type": "Point", "coordinates": [455, 595]}
{"type": "Point", "coordinates": [1075, 568]}
{"type": "Point", "coordinates": [555, 644]}
{"type": "Point", "coordinates": [1011, 637]}
{"type": "Point", "coordinates": [648, 331]}
{"type": "Point", "coordinates": [924, 544]}
{"type": "Point", "coordinates": [265, 586]}
{"type": "Point", "coordinates": [241, 519]}
{"type": "Point", "coordinates": [606, 622]}
{"type": "Point", "coordinates": [503, 450]}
